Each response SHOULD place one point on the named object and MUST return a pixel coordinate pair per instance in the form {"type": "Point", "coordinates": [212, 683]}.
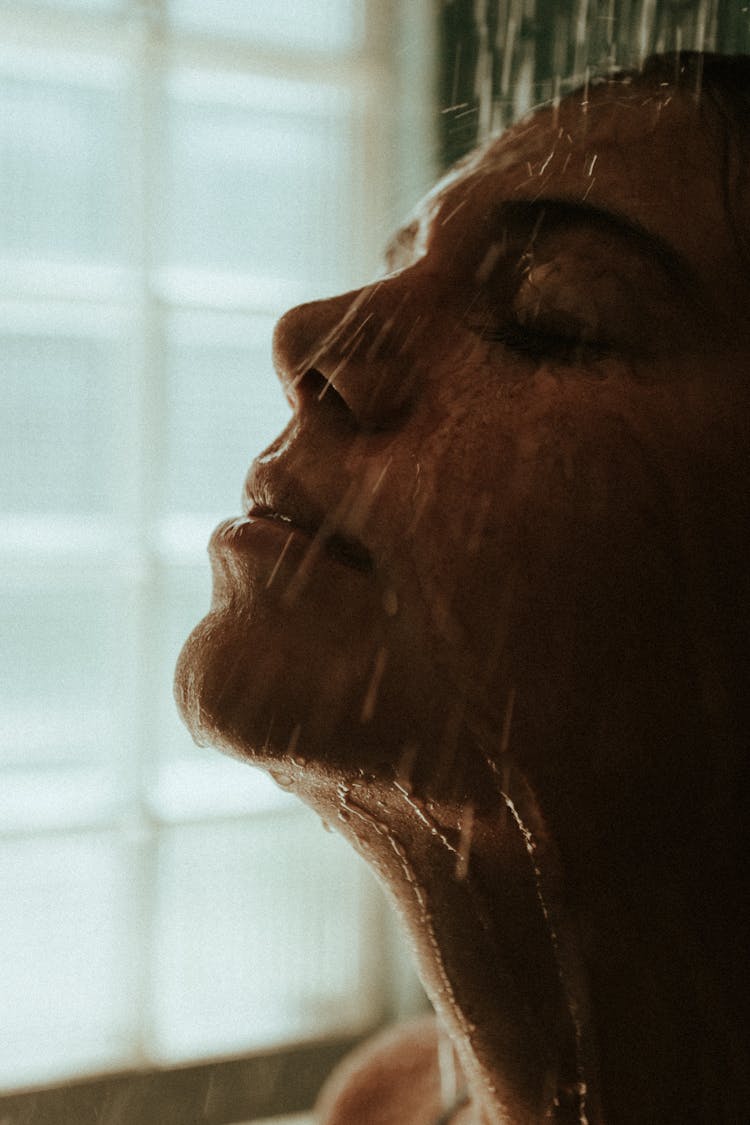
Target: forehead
{"type": "Point", "coordinates": [647, 155]}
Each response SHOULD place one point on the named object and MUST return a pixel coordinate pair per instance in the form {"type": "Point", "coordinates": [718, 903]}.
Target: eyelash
{"type": "Point", "coordinates": [539, 344]}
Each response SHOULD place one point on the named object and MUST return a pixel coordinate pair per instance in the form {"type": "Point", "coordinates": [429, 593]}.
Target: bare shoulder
{"type": "Point", "coordinates": [392, 1079]}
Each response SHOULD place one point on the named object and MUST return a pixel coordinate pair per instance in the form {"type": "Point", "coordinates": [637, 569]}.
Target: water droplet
{"type": "Point", "coordinates": [283, 780]}
{"type": "Point", "coordinates": [464, 844]}
{"type": "Point", "coordinates": [428, 821]}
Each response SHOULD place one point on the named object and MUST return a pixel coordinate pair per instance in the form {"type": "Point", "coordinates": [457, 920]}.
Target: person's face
{"type": "Point", "coordinates": [471, 504]}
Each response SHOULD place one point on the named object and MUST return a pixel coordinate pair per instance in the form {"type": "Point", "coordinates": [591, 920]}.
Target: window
{"type": "Point", "coordinates": [172, 176]}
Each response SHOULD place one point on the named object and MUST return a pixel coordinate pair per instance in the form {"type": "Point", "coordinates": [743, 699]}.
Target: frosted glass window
{"type": "Point", "coordinates": [326, 25]}
{"type": "Point", "coordinates": [61, 677]}
{"type": "Point", "coordinates": [67, 954]}
{"type": "Point", "coordinates": [238, 962]}
{"type": "Point", "coordinates": [174, 174]}
{"type": "Point", "coordinates": [63, 452]}
{"type": "Point", "coordinates": [224, 406]}
{"type": "Point", "coordinates": [256, 190]}
{"type": "Point", "coordinates": [63, 168]}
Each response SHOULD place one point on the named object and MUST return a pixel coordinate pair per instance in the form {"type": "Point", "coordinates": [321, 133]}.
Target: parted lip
{"type": "Point", "coordinates": [274, 496]}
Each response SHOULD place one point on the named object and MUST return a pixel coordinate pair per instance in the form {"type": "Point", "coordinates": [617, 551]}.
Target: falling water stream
{"type": "Point", "coordinates": [502, 57]}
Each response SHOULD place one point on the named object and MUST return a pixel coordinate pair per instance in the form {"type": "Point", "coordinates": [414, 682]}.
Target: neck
{"type": "Point", "coordinates": [478, 893]}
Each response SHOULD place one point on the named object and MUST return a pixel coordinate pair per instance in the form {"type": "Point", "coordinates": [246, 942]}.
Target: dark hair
{"type": "Point", "coordinates": [721, 86]}
{"type": "Point", "coordinates": [724, 78]}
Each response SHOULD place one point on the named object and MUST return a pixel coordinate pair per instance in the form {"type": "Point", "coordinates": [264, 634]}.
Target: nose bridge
{"type": "Point", "coordinates": [362, 343]}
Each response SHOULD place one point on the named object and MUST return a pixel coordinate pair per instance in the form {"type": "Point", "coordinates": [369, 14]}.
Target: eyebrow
{"type": "Point", "coordinates": [558, 214]}
{"type": "Point", "coordinates": [553, 214]}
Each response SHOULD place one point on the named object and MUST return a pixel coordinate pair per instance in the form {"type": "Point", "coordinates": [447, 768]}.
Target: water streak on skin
{"type": "Point", "coordinates": [547, 162]}
{"type": "Point", "coordinates": [504, 775]}
{"type": "Point", "coordinates": [348, 345]}
{"type": "Point", "coordinates": [426, 820]}
{"type": "Point", "coordinates": [456, 209]}
{"type": "Point", "coordinates": [530, 843]}
{"type": "Point", "coordinates": [279, 560]}
{"type": "Point", "coordinates": [329, 381]}
{"type": "Point", "coordinates": [464, 846]}
{"type": "Point", "coordinates": [407, 869]}
{"type": "Point", "coordinates": [314, 357]}
{"type": "Point", "coordinates": [381, 475]}
{"type": "Point", "coordinates": [299, 579]}
{"type": "Point", "coordinates": [351, 807]}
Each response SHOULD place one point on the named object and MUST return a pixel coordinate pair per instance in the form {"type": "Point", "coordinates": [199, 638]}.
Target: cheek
{"type": "Point", "coordinates": [451, 553]}
{"type": "Point", "coordinates": [545, 512]}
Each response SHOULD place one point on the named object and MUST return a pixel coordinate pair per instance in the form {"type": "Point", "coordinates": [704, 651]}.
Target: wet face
{"type": "Point", "coordinates": [467, 533]}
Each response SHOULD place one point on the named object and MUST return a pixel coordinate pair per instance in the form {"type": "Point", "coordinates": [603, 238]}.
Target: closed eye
{"type": "Point", "coordinates": [538, 343]}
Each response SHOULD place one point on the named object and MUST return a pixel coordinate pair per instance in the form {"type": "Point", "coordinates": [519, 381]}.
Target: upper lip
{"type": "Point", "coordinates": [273, 495]}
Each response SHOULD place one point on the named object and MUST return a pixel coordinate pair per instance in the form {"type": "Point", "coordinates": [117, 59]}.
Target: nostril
{"type": "Point", "coordinates": [344, 359]}
{"type": "Point", "coordinates": [312, 389]}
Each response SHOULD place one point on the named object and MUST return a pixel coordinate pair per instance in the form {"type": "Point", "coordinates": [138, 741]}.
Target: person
{"type": "Point", "coordinates": [487, 610]}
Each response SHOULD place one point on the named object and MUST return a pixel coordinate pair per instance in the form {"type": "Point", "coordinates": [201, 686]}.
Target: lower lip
{"type": "Point", "coordinates": [254, 533]}
{"type": "Point", "coordinates": [281, 541]}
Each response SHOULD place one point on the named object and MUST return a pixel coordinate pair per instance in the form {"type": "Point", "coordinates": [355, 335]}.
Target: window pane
{"type": "Point", "coordinates": [253, 947]}
{"type": "Point", "coordinates": [63, 452]}
{"type": "Point", "coordinates": [224, 405]}
{"type": "Point", "coordinates": [68, 987]}
{"type": "Point", "coordinates": [63, 159]}
{"type": "Point", "coordinates": [62, 680]}
{"type": "Point", "coordinates": [256, 180]}
{"type": "Point", "coordinates": [326, 25]}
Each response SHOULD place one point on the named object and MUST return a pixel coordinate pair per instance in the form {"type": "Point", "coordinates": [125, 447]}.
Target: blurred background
{"type": "Point", "coordinates": [179, 940]}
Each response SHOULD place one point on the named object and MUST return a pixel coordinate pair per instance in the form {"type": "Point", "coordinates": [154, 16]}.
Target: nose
{"type": "Point", "coordinates": [361, 349]}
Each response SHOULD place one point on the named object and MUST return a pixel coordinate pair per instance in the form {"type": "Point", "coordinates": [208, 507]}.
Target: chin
{"type": "Point", "coordinates": [296, 693]}
{"type": "Point", "coordinates": [302, 691]}
{"type": "Point", "coordinates": [262, 691]}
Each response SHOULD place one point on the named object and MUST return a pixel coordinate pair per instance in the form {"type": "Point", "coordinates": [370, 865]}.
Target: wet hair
{"type": "Point", "coordinates": [701, 71]}
{"type": "Point", "coordinates": [721, 86]}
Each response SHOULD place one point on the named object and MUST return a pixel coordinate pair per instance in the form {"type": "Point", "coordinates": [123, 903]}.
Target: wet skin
{"type": "Point", "coordinates": [471, 612]}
